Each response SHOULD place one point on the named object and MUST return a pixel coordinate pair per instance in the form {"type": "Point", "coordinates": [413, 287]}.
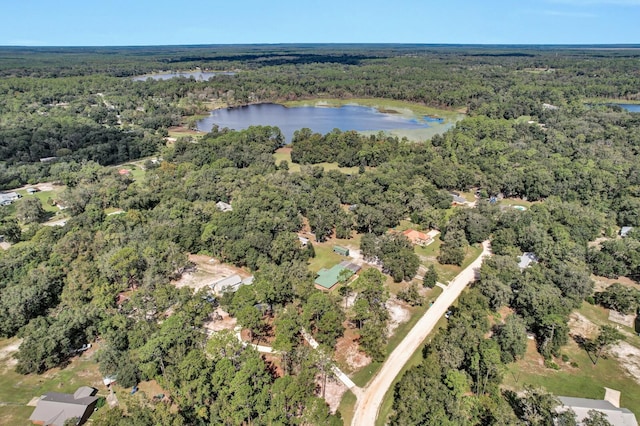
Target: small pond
{"type": "Point", "coordinates": [629, 107]}
{"type": "Point", "coordinates": [324, 119]}
{"type": "Point", "coordinates": [198, 75]}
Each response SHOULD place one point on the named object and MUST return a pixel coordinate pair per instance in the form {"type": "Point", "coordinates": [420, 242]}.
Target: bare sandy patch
{"type": "Point", "coordinates": [348, 352]}
{"type": "Point", "coordinates": [5, 246]}
{"type": "Point", "coordinates": [398, 313]}
{"type": "Point", "coordinates": [601, 283]}
{"type": "Point", "coordinates": [333, 393]}
{"type": "Point", "coordinates": [617, 317]}
{"type": "Point", "coordinates": [581, 326]}
{"type": "Point", "coordinates": [629, 358]}
{"type": "Point", "coordinates": [6, 354]}
{"type": "Point", "coordinates": [220, 320]}
{"type": "Point", "coordinates": [207, 270]}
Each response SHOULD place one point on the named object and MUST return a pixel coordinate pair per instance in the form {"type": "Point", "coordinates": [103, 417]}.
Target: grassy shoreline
{"type": "Point", "coordinates": [611, 101]}
{"type": "Point", "coordinates": [381, 104]}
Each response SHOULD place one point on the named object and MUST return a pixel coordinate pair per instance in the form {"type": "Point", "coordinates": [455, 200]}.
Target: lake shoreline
{"type": "Point", "coordinates": [413, 121]}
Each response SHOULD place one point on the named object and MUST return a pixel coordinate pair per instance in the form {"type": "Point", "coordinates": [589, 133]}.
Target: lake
{"type": "Point", "coordinates": [324, 119]}
{"type": "Point", "coordinates": [198, 75]}
{"type": "Point", "coordinates": [630, 107]}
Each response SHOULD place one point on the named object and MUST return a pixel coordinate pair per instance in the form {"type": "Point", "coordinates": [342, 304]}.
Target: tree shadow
{"type": "Point", "coordinates": [586, 344]}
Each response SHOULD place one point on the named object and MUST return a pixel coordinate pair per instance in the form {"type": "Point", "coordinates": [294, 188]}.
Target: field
{"type": "Point", "coordinates": [17, 390]}
{"type": "Point", "coordinates": [284, 154]}
{"type": "Point", "coordinates": [579, 377]}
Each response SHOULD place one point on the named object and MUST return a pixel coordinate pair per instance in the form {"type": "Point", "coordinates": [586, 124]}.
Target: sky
{"type": "Point", "coordinates": [175, 22]}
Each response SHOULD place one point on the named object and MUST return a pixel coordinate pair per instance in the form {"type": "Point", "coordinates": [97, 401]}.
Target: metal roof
{"type": "Point", "coordinates": [616, 416]}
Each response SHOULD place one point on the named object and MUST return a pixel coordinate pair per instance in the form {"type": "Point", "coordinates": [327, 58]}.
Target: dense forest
{"type": "Point", "coordinates": [534, 129]}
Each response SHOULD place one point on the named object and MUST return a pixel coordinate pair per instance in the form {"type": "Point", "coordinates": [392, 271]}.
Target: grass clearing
{"type": "Point", "coordinates": [347, 406]}
{"type": "Point", "coordinates": [448, 272]}
{"type": "Point", "coordinates": [325, 258]}
{"type": "Point", "coordinates": [284, 154]}
{"type": "Point", "coordinates": [17, 390]}
{"type": "Point", "coordinates": [384, 105]}
{"type": "Point", "coordinates": [585, 381]}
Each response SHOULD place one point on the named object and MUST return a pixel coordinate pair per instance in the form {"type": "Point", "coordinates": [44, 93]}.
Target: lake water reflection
{"type": "Point", "coordinates": [630, 107]}
{"type": "Point", "coordinates": [198, 75]}
{"type": "Point", "coordinates": [318, 119]}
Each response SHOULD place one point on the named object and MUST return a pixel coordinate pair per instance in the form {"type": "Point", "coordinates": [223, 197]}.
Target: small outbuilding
{"type": "Point", "coordinates": [624, 231]}
{"type": "Point", "coordinates": [56, 408]}
{"type": "Point", "coordinates": [342, 251]}
{"type": "Point", "coordinates": [224, 207]}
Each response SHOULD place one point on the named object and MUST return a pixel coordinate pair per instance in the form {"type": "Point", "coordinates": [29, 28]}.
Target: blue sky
{"type": "Point", "coordinates": [137, 22]}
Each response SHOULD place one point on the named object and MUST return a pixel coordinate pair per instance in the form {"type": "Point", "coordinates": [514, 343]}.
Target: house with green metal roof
{"type": "Point", "coordinates": [328, 278]}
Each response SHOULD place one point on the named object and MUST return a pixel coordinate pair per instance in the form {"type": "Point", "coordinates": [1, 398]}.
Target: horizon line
{"type": "Point", "coordinates": [311, 44]}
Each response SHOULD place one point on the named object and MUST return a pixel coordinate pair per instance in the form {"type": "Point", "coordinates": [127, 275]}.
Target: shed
{"type": "Point", "coordinates": [303, 241]}
{"type": "Point", "coordinates": [343, 251]}
{"type": "Point", "coordinates": [56, 408]}
{"type": "Point", "coordinates": [624, 231]}
{"type": "Point", "coordinates": [224, 207]}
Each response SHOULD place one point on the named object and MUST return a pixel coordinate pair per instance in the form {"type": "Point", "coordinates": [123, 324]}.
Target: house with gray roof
{"type": "Point", "coordinates": [624, 231]}
{"type": "Point", "coordinates": [56, 408]}
{"type": "Point", "coordinates": [526, 260]}
{"type": "Point", "coordinates": [231, 283]}
{"type": "Point", "coordinates": [610, 406]}
{"type": "Point", "coordinates": [7, 198]}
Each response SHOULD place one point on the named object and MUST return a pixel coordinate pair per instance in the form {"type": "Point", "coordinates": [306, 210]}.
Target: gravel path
{"type": "Point", "coordinates": [370, 399]}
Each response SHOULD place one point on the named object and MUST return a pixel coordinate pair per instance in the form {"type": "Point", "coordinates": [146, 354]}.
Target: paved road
{"type": "Point", "coordinates": [368, 403]}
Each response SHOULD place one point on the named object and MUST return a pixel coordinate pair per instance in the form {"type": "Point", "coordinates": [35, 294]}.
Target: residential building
{"type": "Point", "coordinates": [56, 408]}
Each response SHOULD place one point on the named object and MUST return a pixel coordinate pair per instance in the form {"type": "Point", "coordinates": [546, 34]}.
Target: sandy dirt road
{"type": "Point", "coordinates": [370, 399]}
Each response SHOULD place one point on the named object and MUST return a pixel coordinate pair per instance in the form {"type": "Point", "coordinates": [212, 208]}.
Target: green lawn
{"type": "Point", "coordinates": [585, 381]}
{"type": "Point", "coordinates": [325, 258]}
{"type": "Point", "coordinates": [431, 250]}
{"type": "Point", "coordinates": [347, 406]}
{"type": "Point", "coordinates": [448, 272]}
{"type": "Point", "coordinates": [389, 105]}
{"type": "Point", "coordinates": [44, 197]}
{"type": "Point", "coordinates": [294, 167]}
{"type": "Point", "coordinates": [17, 390]}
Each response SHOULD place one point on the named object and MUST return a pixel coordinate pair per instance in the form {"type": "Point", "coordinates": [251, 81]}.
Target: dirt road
{"type": "Point", "coordinates": [368, 403]}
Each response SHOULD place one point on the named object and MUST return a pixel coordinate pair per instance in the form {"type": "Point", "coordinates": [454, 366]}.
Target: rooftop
{"type": "Point", "coordinates": [55, 408]}
{"type": "Point", "coordinates": [581, 406]}
{"type": "Point", "coordinates": [327, 278]}
{"type": "Point", "coordinates": [527, 259]}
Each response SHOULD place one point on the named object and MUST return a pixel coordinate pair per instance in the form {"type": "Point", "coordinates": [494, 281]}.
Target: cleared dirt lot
{"type": "Point", "coordinates": [206, 271]}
